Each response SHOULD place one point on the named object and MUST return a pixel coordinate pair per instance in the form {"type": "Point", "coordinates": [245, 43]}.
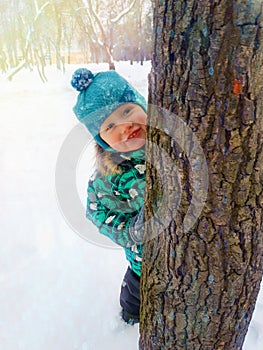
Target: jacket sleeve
{"type": "Point", "coordinates": [112, 205]}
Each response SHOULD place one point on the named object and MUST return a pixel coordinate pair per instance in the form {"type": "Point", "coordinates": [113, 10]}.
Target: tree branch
{"type": "Point", "coordinates": [123, 13]}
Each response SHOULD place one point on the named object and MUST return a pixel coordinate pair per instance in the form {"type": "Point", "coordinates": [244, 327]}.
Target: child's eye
{"type": "Point", "coordinates": [126, 112]}
{"type": "Point", "coordinates": [110, 126]}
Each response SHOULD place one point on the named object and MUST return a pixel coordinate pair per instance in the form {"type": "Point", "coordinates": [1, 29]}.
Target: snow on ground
{"type": "Point", "coordinates": [58, 290]}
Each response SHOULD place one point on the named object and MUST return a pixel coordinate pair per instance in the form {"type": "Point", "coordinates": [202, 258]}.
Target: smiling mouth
{"type": "Point", "coordinates": [134, 134]}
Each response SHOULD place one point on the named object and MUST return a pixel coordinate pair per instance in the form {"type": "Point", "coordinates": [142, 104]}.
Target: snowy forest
{"type": "Point", "coordinates": [40, 33]}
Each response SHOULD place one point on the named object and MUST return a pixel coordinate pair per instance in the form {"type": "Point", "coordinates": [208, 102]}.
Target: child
{"type": "Point", "coordinates": [115, 114]}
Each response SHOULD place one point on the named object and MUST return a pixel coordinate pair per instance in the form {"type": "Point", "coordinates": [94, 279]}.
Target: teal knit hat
{"type": "Point", "coordinates": [100, 95]}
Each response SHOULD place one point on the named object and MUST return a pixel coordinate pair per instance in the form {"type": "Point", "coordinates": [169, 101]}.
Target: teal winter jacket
{"type": "Point", "coordinates": [115, 196]}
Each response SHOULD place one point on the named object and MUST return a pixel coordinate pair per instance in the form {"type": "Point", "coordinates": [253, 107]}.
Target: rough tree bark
{"type": "Point", "coordinates": [199, 287]}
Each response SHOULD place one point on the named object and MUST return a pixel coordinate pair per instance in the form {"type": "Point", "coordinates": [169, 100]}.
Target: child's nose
{"type": "Point", "coordinates": [125, 127]}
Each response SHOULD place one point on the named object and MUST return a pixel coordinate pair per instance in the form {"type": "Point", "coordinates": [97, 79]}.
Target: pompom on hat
{"type": "Point", "coordinates": [101, 94]}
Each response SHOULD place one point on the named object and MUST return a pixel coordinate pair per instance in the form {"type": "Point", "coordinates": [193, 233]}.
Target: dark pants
{"type": "Point", "coordinates": [130, 296]}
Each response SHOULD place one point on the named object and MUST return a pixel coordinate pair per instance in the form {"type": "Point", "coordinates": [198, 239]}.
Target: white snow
{"type": "Point", "coordinates": [58, 290]}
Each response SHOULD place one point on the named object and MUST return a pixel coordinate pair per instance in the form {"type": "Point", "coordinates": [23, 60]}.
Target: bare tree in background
{"type": "Point", "coordinates": [35, 33]}
{"type": "Point", "coordinates": [100, 28]}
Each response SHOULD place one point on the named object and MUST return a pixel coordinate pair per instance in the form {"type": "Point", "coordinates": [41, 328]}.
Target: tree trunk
{"type": "Point", "coordinates": [200, 282]}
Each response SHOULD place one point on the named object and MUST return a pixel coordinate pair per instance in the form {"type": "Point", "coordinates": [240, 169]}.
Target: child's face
{"type": "Point", "coordinates": [125, 129]}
